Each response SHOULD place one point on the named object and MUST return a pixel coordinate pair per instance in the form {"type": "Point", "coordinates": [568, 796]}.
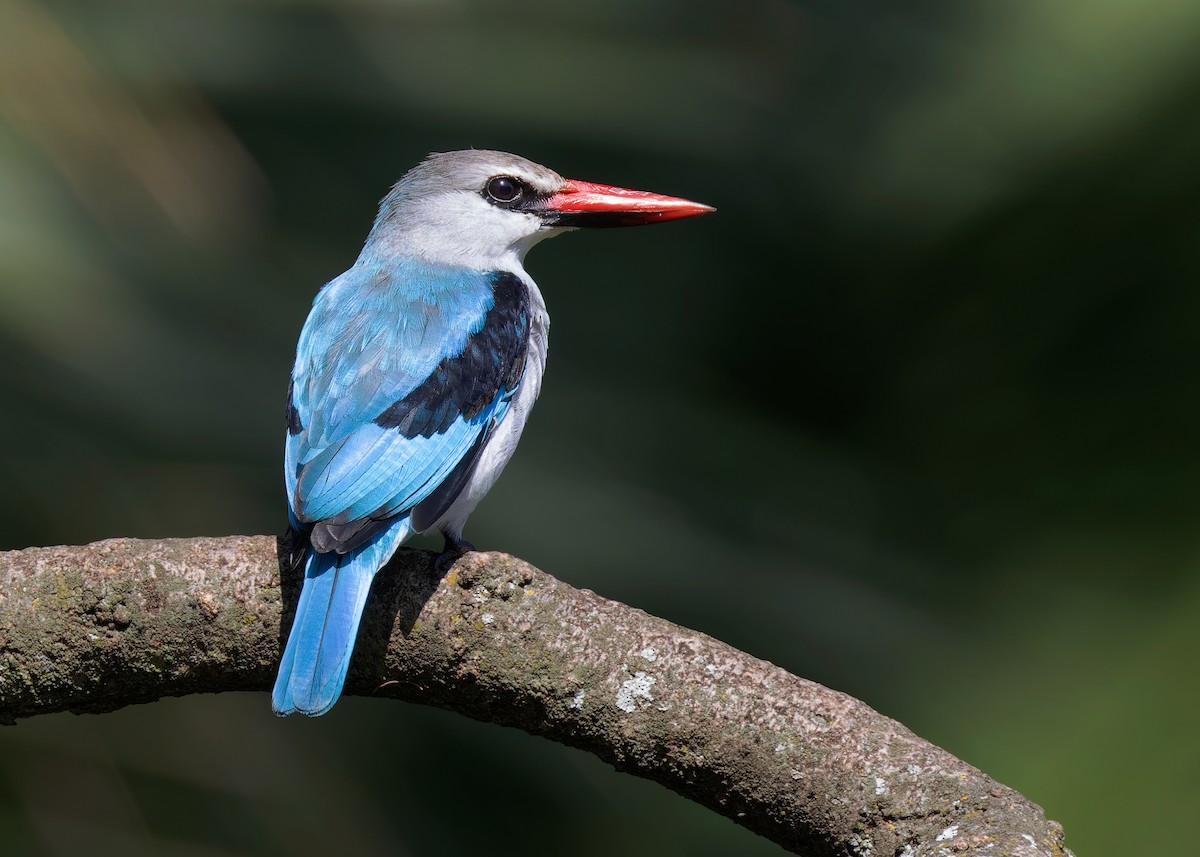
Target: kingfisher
{"type": "Point", "coordinates": [415, 373]}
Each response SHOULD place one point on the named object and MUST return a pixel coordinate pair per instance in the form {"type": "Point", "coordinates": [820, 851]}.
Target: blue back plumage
{"type": "Point", "coordinates": [374, 334]}
{"type": "Point", "coordinates": [402, 370]}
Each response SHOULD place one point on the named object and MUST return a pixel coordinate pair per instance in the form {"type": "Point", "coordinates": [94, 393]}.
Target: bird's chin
{"type": "Point", "coordinates": [525, 244]}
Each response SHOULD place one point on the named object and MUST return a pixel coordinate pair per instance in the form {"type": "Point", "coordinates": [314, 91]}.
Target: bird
{"type": "Point", "coordinates": [414, 375]}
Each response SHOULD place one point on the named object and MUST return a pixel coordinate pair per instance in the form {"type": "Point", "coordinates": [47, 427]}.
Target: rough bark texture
{"type": "Point", "coordinates": [94, 628]}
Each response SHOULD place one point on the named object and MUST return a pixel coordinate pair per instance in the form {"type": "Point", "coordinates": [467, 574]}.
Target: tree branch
{"type": "Point", "coordinates": [98, 627]}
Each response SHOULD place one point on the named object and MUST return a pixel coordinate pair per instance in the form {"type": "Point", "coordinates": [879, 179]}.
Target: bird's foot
{"type": "Point", "coordinates": [455, 547]}
{"type": "Point", "coordinates": [294, 549]}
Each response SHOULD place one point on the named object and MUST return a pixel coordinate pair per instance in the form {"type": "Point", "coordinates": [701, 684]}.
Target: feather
{"type": "Point", "coordinates": [317, 656]}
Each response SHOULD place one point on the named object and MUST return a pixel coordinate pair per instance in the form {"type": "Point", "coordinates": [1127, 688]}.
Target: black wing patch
{"type": "Point", "coordinates": [294, 426]}
{"type": "Point", "coordinates": [492, 359]}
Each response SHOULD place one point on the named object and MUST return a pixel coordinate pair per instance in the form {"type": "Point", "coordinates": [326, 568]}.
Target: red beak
{"type": "Point", "coordinates": [586, 204]}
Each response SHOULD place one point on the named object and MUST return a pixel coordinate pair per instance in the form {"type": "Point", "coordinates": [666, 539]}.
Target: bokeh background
{"type": "Point", "coordinates": [913, 415]}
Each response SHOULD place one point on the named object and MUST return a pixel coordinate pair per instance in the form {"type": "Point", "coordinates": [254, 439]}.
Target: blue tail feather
{"type": "Point", "coordinates": [321, 641]}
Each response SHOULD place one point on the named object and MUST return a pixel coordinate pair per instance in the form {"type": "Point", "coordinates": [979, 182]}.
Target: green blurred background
{"type": "Point", "coordinates": [913, 415]}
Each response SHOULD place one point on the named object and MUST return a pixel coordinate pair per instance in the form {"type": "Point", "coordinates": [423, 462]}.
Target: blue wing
{"type": "Point", "coordinates": [400, 375]}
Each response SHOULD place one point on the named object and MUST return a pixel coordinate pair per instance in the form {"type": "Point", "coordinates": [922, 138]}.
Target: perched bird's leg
{"type": "Point", "coordinates": [454, 548]}
{"type": "Point", "coordinates": [295, 549]}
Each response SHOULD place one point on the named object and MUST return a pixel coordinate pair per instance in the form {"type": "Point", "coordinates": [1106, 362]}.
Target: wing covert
{"type": "Point", "coordinates": [368, 435]}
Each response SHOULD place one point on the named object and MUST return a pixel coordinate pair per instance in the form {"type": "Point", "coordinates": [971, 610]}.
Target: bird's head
{"type": "Point", "coordinates": [486, 209]}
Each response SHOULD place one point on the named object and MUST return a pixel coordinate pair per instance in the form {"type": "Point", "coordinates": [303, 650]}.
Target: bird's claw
{"type": "Point", "coordinates": [454, 549]}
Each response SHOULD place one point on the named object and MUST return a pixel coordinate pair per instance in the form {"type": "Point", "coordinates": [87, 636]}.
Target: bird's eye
{"type": "Point", "coordinates": [504, 189]}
